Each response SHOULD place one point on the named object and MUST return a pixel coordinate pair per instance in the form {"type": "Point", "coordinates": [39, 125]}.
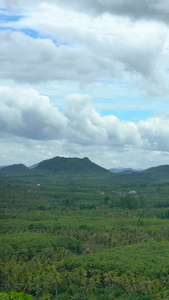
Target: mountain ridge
{"type": "Point", "coordinates": [124, 170]}
{"type": "Point", "coordinates": [71, 166]}
{"type": "Point", "coordinates": [84, 168]}
{"type": "Point", "coordinates": [62, 166]}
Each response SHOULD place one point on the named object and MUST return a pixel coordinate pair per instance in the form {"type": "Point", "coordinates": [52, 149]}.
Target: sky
{"type": "Point", "coordinates": [85, 79]}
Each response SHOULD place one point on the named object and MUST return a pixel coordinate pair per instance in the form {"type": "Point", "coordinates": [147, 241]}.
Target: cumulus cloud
{"type": "Point", "coordinates": [121, 132]}
{"type": "Point", "coordinates": [100, 55]}
{"type": "Point", "coordinates": [30, 123]}
{"type": "Point", "coordinates": [84, 122]}
{"type": "Point", "coordinates": [41, 61]}
{"type": "Point", "coordinates": [155, 130]}
{"type": "Point", "coordinates": [27, 114]}
{"type": "Point", "coordinates": [83, 48]}
{"type": "Point", "coordinates": [87, 127]}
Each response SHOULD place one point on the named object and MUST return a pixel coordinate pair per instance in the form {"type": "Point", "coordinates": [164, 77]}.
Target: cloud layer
{"type": "Point", "coordinates": [30, 124]}
{"type": "Point", "coordinates": [152, 9]}
{"type": "Point", "coordinates": [99, 56]}
{"type": "Point", "coordinates": [84, 44]}
{"type": "Point", "coordinates": [25, 113]}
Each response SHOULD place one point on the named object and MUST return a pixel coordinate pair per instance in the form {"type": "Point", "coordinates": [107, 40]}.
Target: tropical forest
{"type": "Point", "coordinates": [70, 229]}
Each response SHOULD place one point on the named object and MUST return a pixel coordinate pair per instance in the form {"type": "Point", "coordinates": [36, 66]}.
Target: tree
{"type": "Point", "coordinates": [12, 296]}
{"type": "Point", "coordinates": [128, 201]}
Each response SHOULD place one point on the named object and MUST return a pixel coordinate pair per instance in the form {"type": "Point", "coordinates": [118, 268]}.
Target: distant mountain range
{"type": "Point", "coordinates": [33, 166]}
{"type": "Point", "coordinates": [84, 168]}
{"type": "Point", "coordinates": [60, 166]}
{"type": "Point", "coordinates": [154, 174]}
{"type": "Point", "coordinates": [124, 170]}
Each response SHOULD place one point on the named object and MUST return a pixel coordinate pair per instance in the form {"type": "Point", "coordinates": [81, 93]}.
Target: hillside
{"type": "Point", "coordinates": [160, 172]}
{"type": "Point", "coordinates": [71, 166]}
{"type": "Point", "coordinates": [154, 174]}
{"type": "Point", "coordinates": [16, 168]}
{"type": "Point", "coordinates": [84, 168]}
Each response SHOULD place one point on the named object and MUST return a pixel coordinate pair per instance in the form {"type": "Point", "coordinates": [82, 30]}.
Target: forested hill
{"type": "Point", "coordinates": [16, 168]}
{"type": "Point", "coordinates": [84, 168]}
{"type": "Point", "coordinates": [154, 174]}
{"type": "Point", "coordinates": [161, 172]}
{"type": "Point", "coordinates": [71, 166]}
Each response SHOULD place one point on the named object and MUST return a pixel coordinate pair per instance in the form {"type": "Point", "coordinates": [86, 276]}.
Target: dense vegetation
{"type": "Point", "coordinates": [66, 238]}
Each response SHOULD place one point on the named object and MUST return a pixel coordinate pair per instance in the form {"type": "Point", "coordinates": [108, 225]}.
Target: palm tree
{"type": "Point", "coordinates": [81, 275]}
{"type": "Point", "coordinates": [110, 278]}
{"type": "Point", "coordinates": [96, 278]}
{"type": "Point", "coordinates": [56, 279]}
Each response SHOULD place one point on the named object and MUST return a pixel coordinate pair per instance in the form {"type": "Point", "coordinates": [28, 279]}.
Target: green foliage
{"type": "Point", "coordinates": [72, 167]}
{"type": "Point", "coordinates": [128, 201]}
{"type": "Point", "coordinates": [32, 243]}
{"type": "Point", "coordinates": [12, 296]}
{"type": "Point", "coordinates": [83, 239]}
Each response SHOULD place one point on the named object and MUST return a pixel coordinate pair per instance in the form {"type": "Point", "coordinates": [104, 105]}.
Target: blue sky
{"type": "Point", "coordinates": [83, 79]}
{"type": "Point", "coordinates": [132, 115]}
{"type": "Point", "coordinates": [4, 18]}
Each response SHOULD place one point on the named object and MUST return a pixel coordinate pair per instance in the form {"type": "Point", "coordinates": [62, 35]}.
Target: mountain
{"type": "Point", "coordinates": [33, 166]}
{"type": "Point", "coordinates": [84, 168]}
{"type": "Point", "coordinates": [1, 167]}
{"type": "Point", "coordinates": [16, 168]}
{"type": "Point", "coordinates": [71, 166]}
{"type": "Point", "coordinates": [159, 172]}
{"type": "Point", "coordinates": [124, 170]}
{"type": "Point", "coordinates": [121, 170]}
{"type": "Point", "coordinates": [154, 174]}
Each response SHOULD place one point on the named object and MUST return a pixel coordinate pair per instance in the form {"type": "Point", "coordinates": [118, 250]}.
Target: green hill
{"type": "Point", "coordinates": [84, 168]}
{"type": "Point", "coordinates": [154, 174]}
{"type": "Point", "coordinates": [71, 166]}
{"type": "Point", "coordinates": [160, 172]}
{"type": "Point", "coordinates": [16, 168]}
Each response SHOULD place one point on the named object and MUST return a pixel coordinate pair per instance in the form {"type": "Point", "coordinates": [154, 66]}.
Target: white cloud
{"type": "Point", "coordinates": [89, 48]}
{"type": "Point", "coordinates": [155, 130]}
{"type": "Point", "coordinates": [84, 122]}
{"type": "Point", "coordinates": [34, 60]}
{"type": "Point", "coordinates": [152, 9]}
{"type": "Point", "coordinates": [20, 150]}
{"type": "Point", "coordinates": [121, 132]}
{"type": "Point", "coordinates": [103, 52]}
{"type": "Point", "coordinates": [33, 130]}
{"type": "Point", "coordinates": [27, 114]}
